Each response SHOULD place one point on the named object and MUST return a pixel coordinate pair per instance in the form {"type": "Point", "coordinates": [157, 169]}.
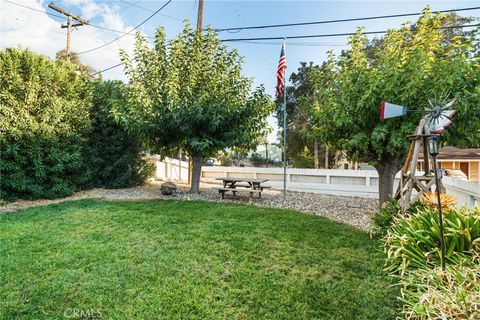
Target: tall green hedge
{"type": "Point", "coordinates": [44, 113]}
{"type": "Point", "coordinates": [56, 133]}
{"type": "Point", "coordinates": [115, 155]}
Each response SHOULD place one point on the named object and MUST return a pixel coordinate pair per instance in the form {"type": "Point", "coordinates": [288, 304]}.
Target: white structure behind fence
{"type": "Point", "coordinates": [362, 183]}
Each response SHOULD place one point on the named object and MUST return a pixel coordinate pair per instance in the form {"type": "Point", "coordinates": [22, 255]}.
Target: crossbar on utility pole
{"type": "Point", "coordinates": [70, 17]}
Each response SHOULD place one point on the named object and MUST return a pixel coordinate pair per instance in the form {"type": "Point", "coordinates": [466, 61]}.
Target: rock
{"type": "Point", "coordinates": [168, 188]}
{"type": "Point", "coordinates": [353, 205]}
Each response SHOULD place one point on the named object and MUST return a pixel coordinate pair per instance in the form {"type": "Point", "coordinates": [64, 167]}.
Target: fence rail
{"type": "Point", "coordinates": [361, 183]}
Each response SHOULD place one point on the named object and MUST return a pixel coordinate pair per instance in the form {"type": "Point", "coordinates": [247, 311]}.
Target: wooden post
{"type": "Point", "coordinates": [70, 16]}
{"type": "Point", "coordinates": [69, 32]}
{"type": "Point", "coordinates": [426, 169]}
{"type": "Point", "coordinates": [315, 153]}
{"type": "Point", "coordinates": [200, 16]}
{"type": "Point", "coordinates": [409, 181]}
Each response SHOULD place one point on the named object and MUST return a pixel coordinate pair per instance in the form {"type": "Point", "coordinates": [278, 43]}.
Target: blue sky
{"type": "Point", "coordinates": [261, 59]}
{"type": "Point", "coordinates": [42, 33]}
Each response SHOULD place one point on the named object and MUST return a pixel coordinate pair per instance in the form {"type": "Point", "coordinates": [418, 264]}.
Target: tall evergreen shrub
{"type": "Point", "coordinates": [57, 134]}
{"type": "Point", "coordinates": [44, 113]}
{"type": "Point", "coordinates": [114, 155]}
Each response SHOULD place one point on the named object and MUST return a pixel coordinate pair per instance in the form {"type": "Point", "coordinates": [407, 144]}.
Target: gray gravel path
{"type": "Point", "coordinates": [355, 211]}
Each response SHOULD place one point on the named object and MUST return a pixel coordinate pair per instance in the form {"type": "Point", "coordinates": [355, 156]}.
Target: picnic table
{"type": "Point", "coordinates": [252, 186]}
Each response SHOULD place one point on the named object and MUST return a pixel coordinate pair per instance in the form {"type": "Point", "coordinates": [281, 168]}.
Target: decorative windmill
{"type": "Point", "coordinates": [435, 119]}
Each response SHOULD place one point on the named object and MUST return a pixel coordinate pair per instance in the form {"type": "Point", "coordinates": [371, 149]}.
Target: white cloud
{"type": "Point", "coordinates": [39, 32]}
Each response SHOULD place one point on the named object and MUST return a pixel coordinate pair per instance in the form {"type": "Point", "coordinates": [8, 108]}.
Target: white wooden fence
{"type": "Point", "coordinates": [362, 183]}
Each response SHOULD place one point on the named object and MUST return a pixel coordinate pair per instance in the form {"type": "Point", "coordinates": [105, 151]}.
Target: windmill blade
{"type": "Point", "coordinates": [390, 110]}
{"type": "Point", "coordinates": [439, 123]}
{"type": "Point", "coordinates": [448, 105]}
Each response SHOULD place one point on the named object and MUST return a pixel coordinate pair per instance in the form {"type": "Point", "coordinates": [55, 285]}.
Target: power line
{"type": "Point", "coordinates": [118, 38]}
{"type": "Point", "coordinates": [118, 31]}
{"type": "Point", "coordinates": [236, 29]}
{"type": "Point", "coordinates": [308, 36]}
{"type": "Point", "coordinates": [147, 9]}
{"type": "Point", "coordinates": [307, 44]}
{"type": "Point", "coordinates": [332, 34]}
{"type": "Point", "coordinates": [34, 9]}
{"type": "Point", "coordinates": [269, 38]}
{"type": "Point", "coordinates": [109, 68]}
{"type": "Point", "coordinates": [58, 16]}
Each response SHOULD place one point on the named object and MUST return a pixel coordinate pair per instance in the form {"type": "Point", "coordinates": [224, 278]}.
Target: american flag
{"type": "Point", "coordinates": [282, 65]}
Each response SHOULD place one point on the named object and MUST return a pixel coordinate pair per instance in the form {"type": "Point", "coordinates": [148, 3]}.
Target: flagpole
{"type": "Point", "coordinates": [284, 131]}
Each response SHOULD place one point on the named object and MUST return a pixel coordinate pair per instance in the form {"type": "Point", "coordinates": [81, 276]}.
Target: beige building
{"type": "Point", "coordinates": [465, 160]}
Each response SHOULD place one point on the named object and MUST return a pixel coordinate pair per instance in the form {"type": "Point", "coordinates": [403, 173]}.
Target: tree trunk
{"type": "Point", "coordinates": [337, 155]}
{"type": "Point", "coordinates": [387, 170]}
{"type": "Point", "coordinates": [266, 155]}
{"type": "Point", "coordinates": [315, 153]}
{"type": "Point", "coordinates": [326, 157]}
{"type": "Point", "coordinates": [197, 162]}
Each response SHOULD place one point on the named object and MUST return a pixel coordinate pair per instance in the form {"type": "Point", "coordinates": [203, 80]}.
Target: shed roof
{"type": "Point", "coordinates": [449, 152]}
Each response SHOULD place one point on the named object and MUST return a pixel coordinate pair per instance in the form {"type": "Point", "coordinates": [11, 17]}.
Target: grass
{"type": "Point", "coordinates": [186, 260]}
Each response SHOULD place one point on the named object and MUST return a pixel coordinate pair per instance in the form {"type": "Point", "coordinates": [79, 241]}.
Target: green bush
{"type": "Point", "coordinates": [414, 241]}
{"type": "Point", "coordinates": [57, 134]}
{"type": "Point", "coordinates": [44, 113]}
{"type": "Point", "coordinates": [384, 218]}
{"type": "Point", "coordinates": [114, 155]}
{"type": "Point", "coordinates": [434, 294]}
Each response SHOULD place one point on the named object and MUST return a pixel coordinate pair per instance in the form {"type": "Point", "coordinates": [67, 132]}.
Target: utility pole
{"type": "Point", "coordinates": [69, 25]}
{"type": "Point", "coordinates": [200, 16]}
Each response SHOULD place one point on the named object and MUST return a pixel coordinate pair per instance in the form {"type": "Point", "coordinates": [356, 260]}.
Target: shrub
{"type": "Point", "coordinates": [114, 155]}
{"type": "Point", "coordinates": [434, 294]}
{"type": "Point", "coordinates": [52, 143]}
{"type": "Point", "coordinates": [43, 116]}
{"type": "Point", "coordinates": [384, 218]}
{"type": "Point", "coordinates": [413, 241]}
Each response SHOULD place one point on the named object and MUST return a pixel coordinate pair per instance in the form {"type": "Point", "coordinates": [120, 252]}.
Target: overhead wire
{"type": "Point", "coordinates": [151, 10]}
{"type": "Point", "coordinates": [34, 9]}
{"type": "Point", "coordinates": [308, 44]}
{"type": "Point", "coordinates": [136, 27]}
{"type": "Point", "coordinates": [118, 31]}
{"type": "Point", "coordinates": [62, 17]}
{"type": "Point", "coordinates": [332, 34]}
{"type": "Point", "coordinates": [337, 20]}
{"type": "Point", "coordinates": [106, 69]}
{"type": "Point", "coordinates": [248, 40]}
{"type": "Point", "coordinates": [240, 17]}
{"type": "Point", "coordinates": [262, 38]}
{"type": "Point", "coordinates": [257, 40]}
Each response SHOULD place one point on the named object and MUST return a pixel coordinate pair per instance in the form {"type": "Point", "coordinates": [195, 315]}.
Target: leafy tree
{"type": "Point", "coordinates": [75, 59]}
{"type": "Point", "coordinates": [191, 94]}
{"type": "Point", "coordinates": [44, 112]}
{"type": "Point", "coordinates": [409, 66]}
{"type": "Point", "coordinates": [300, 100]}
{"type": "Point", "coordinates": [114, 155]}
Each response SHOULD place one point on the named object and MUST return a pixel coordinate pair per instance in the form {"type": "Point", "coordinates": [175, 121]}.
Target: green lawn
{"type": "Point", "coordinates": [184, 260]}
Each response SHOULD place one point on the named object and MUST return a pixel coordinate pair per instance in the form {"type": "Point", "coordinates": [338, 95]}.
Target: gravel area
{"type": "Point", "coordinates": [355, 211]}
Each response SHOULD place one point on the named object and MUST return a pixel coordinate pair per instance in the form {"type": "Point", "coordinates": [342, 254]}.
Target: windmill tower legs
{"type": "Point", "coordinates": [411, 187]}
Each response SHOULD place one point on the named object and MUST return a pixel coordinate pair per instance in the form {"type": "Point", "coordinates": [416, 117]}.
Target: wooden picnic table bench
{"type": "Point", "coordinates": [252, 186]}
